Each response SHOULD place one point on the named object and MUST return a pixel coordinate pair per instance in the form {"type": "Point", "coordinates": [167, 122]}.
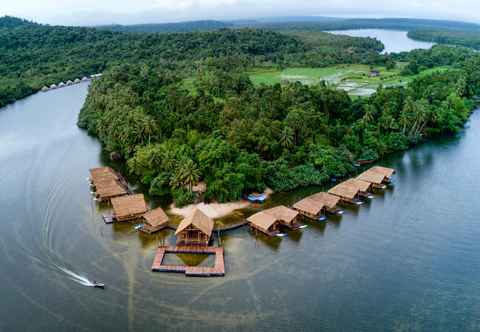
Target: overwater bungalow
{"type": "Point", "coordinates": [376, 179]}
{"type": "Point", "coordinates": [69, 82]}
{"type": "Point", "coordinates": [330, 202]}
{"type": "Point", "coordinates": [129, 207]}
{"type": "Point", "coordinates": [107, 189]}
{"type": "Point", "coordinates": [310, 209]}
{"type": "Point", "coordinates": [76, 81]}
{"type": "Point", "coordinates": [265, 223]}
{"type": "Point", "coordinates": [348, 193]}
{"type": "Point", "coordinates": [53, 86]}
{"type": "Point", "coordinates": [286, 216]}
{"type": "Point", "coordinates": [101, 174]}
{"type": "Point", "coordinates": [154, 221]}
{"type": "Point", "coordinates": [195, 230]}
{"type": "Point", "coordinates": [385, 171]}
{"type": "Point", "coordinates": [84, 79]}
{"type": "Point", "coordinates": [363, 187]}
{"type": "Point", "coordinates": [45, 89]}
{"type": "Point", "coordinates": [61, 84]}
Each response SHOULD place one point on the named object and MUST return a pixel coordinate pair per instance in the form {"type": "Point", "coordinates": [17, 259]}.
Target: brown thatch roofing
{"type": "Point", "coordinates": [156, 217]}
{"type": "Point", "coordinates": [344, 190]}
{"type": "Point", "coordinates": [283, 213]}
{"type": "Point", "coordinates": [102, 173]}
{"type": "Point", "coordinates": [129, 206]}
{"type": "Point", "coordinates": [262, 220]}
{"type": "Point", "coordinates": [199, 220]}
{"type": "Point", "coordinates": [372, 177]}
{"type": "Point", "coordinates": [330, 201]}
{"type": "Point", "coordinates": [361, 185]}
{"type": "Point", "coordinates": [309, 205]}
{"type": "Point", "coordinates": [109, 188]}
{"type": "Point", "coordinates": [388, 172]}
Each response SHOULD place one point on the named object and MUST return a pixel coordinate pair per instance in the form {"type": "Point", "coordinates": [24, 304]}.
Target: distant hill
{"type": "Point", "coordinates": [14, 22]}
{"type": "Point", "coordinates": [190, 26]}
{"type": "Point", "coordinates": [331, 23]}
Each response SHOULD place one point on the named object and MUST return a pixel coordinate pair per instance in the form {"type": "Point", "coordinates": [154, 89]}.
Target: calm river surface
{"type": "Point", "coordinates": [395, 41]}
{"type": "Point", "coordinates": [408, 261]}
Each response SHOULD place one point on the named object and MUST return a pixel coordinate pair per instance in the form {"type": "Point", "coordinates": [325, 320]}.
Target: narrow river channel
{"type": "Point", "coordinates": [408, 261]}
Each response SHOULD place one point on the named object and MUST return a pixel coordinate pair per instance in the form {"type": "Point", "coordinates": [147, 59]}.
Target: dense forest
{"type": "Point", "coordinates": [189, 26]}
{"type": "Point", "coordinates": [451, 37]}
{"type": "Point", "coordinates": [239, 138]}
{"type": "Point", "coordinates": [34, 55]}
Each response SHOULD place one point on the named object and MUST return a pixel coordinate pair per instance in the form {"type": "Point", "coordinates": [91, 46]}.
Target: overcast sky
{"type": "Point", "coordinates": [90, 12]}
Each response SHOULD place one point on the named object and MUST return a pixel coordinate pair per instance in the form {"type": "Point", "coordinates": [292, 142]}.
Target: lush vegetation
{"type": "Point", "coordinates": [33, 55]}
{"type": "Point", "coordinates": [240, 138]}
{"type": "Point", "coordinates": [451, 37]}
{"type": "Point", "coordinates": [189, 26]}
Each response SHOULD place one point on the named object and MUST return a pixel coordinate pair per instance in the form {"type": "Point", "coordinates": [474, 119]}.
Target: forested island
{"type": "Point", "coordinates": [181, 108]}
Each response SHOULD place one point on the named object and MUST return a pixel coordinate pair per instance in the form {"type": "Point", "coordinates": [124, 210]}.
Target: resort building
{"type": "Point", "coordinates": [129, 207]}
{"type": "Point", "coordinates": [363, 187]}
{"type": "Point", "coordinates": [376, 179]}
{"type": "Point", "coordinates": [386, 172]}
{"type": "Point", "coordinates": [347, 193]}
{"type": "Point", "coordinates": [195, 230]}
{"type": "Point", "coordinates": [287, 217]}
{"type": "Point", "coordinates": [329, 202]}
{"type": "Point", "coordinates": [311, 209]}
{"type": "Point", "coordinates": [265, 223]}
{"type": "Point", "coordinates": [154, 221]}
{"type": "Point", "coordinates": [107, 184]}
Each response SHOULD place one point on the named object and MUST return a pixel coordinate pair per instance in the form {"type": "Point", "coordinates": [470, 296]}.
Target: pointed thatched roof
{"type": "Point", "coordinates": [156, 217]}
{"type": "Point", "coordinates": [282, 213]}
{"type": "Point", "coordinates": [262, 220]}
{"type": "Point", "coordinates": [330, 201]}
{"type": "Point", "coordinates": [372, 177]}
{"type": "Point", "coordinates": [361, 185]}
{"type": "Point", "coordinates": [129, 205]}
{"type": "Point", "coordinates": [309, 206]}
{"type": "Point", "coordinates": [199, 220]}
{"type": "Point", "coordinates": [344, 190]}
{"type": "Point", "coordinates": [388, 172]}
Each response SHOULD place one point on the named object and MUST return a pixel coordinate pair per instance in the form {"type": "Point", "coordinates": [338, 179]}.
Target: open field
{"type": "Point", "coordinates": [355, 79]}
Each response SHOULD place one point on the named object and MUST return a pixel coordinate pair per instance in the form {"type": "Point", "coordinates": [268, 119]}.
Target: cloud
{"type": "Point", "coordinates": [138, 11]}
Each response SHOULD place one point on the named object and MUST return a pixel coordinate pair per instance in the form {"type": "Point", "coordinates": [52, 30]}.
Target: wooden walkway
{"type": "Point", "coordinates": [191, 271]}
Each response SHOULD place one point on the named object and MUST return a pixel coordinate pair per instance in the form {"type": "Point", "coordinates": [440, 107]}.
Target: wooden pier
{"type": "Point", "coordinates": [191, 271]}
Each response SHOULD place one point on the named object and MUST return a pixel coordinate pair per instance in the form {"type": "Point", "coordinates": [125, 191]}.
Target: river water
{"type": "Point", "coordinates": [395, 41]}
{"type": "Point", "coordinates": [408, 261]}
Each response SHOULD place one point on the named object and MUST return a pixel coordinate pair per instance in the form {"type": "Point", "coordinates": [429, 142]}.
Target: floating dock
{"type": "Point", "coordinates": [191, 271]}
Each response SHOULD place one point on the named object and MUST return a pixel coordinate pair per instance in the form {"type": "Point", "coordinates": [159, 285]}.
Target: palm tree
{"type": "Point", "coordinates": [286, 138]}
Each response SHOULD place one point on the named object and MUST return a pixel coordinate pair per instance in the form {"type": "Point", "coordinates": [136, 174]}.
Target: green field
{"type": "Point", "coordinates": [355, 79]}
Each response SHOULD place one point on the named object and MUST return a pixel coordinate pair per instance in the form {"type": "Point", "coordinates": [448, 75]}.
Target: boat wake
{"type": "Point", "coordinates": [80, 279]}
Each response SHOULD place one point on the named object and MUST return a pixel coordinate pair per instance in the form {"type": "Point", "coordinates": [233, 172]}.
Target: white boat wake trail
{"type": "Point", "coordinates": [82, 280]}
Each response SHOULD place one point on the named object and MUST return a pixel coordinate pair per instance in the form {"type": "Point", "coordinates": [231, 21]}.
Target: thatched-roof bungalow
{"type": "Point", "coordinates": [69, 82]}
{"type": "Point", "coordinates": [84, 78]}
{"type": "Point", "coordinates": [129, 207]}
{"type": "Point", "coordinates": [195, 230]}
{"type": "Point", "coordinates": [107, 189]}
{"type": "Point", "coordinates": [61, 84]}
{"type": "Point", "coordinates": [53, 86]}
{"type": "Point", "coordinates": [265, 223]}
{"type": "Point", "coordinates": [102, 173]}
{"type": "Point", "coordinates": [154, 221]}
{"type": "Point", "coordinates": [376, 179]}
{"type": "Point", "coordinates": [45, 89]}
{"type": "Point", "coordinates": [311, 209]}
{"type": "Point", "coordinates": [364, 187]}
{"type": "Point", "coordinates": [286, 216]}
{"type": "Point", "coordinates": [330, 202]}
{"type": "Point", "coordinates": [77, 80]}
{"type": "Point", "coordinates": [385, 171]}
{"type": "Point", "coordinates": [347, 192]}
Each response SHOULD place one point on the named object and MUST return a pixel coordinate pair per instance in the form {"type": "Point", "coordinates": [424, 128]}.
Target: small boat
{"type": "Point", "coordinates": [98, 285]}
{"type": "Point", "coordinates": [138, 227]}
{"type": "Point", "coordinates": [281, 235]}
{"type": "Point", "coordinates": [257, 198]}
{"type": "Point", "coordinates": [322, 218]}
{"type": "Point", "coordinates": [303, 227]}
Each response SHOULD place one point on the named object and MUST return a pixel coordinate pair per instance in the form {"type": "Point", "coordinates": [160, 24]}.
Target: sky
{"type": "Point", "coordinates": [97, 12]}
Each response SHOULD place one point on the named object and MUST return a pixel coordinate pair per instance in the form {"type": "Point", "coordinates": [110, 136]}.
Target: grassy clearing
{"type": "Point", "coordinates": [355, 79]}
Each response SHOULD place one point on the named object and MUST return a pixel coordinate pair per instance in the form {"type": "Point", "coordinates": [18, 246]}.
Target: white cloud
{"type": "Point", "coordinates": [137, 11]}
